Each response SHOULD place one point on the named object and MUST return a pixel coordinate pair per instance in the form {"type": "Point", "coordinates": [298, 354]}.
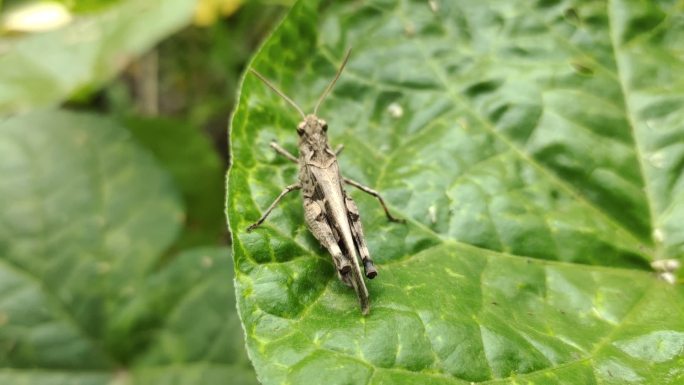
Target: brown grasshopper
{"type": "Point", "coordinates": [330, 213]}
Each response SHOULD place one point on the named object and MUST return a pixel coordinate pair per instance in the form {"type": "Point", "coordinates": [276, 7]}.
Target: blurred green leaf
{"type": "Point", "coordinates": [44, 69]}
{"type": "Point", "coordinates": [85, 214]}
{"type": "Point", "coordinates": [200, 341]}
{"type": "Point", "coordinates": [536, 149]}
{"type": "Point", "coordinates": [196, 167]}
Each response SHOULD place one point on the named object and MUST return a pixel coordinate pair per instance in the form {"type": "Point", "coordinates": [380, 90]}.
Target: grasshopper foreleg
{"type": "Point", "coordinates": [287, 190]}
{"type": "Point", "coordinates": [377, 195]}
{"type": "Point", "coordinates": [282, 151]}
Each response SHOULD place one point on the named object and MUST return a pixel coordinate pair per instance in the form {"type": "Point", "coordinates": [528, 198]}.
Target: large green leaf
{"type": "Point", "coordinates": [200, 340]}
{"type": "Point", "coordinates": [536, 149]}
{"type": "Point", "coordinates": [85, 214]}
{"type": "Point", "coordinates": [46, 68]}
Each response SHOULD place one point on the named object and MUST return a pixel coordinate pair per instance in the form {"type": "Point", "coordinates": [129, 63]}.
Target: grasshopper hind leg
{"type": "Point", "coordinates": [359, 239]}
{"type": "Point", "coordinates": [349, 273]}
{"type": "Point", "coordinates": [320, 228]}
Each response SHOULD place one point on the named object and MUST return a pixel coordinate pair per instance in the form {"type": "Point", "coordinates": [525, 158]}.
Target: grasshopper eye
{"type": "Point", "coordinates": [324, 125]}
{"type": "Point", "coordinates": [300, 129]}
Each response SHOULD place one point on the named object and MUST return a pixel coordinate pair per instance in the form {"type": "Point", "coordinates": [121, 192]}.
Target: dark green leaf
{"type": "Point", "coordinates": [85, 214]}
{"type": "Point", "coordinates": [536, 150]}
{"type": "Point", "coordinates": [200, 341]}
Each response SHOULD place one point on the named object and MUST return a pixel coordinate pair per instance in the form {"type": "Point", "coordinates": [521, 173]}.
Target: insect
{"type": "Point", "coordinates": [330, 213]}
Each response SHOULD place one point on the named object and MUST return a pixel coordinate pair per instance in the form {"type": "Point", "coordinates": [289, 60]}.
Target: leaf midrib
{"type": "Point", "coordinates": [632, 126]}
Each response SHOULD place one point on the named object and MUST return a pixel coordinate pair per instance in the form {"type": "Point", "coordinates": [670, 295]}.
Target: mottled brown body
{"type": "Point", "coordinates": [330, 213]}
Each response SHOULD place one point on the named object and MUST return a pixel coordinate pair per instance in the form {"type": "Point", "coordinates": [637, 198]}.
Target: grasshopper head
{"type": "Point", "coordinates": [313, 130]}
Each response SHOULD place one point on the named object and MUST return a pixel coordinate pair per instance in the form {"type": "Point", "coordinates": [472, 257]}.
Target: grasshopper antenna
{"type": "Point", "coordinates": [279, 92]}
{"type": "Point", "coordinates": [332, 83]}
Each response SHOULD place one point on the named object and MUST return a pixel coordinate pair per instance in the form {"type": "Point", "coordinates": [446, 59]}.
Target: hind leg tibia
{"type": "Point", "coordinates": [359, 239]}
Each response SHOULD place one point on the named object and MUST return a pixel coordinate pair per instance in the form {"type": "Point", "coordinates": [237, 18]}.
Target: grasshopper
{"type": "Point", "coordinates": [330, 213]}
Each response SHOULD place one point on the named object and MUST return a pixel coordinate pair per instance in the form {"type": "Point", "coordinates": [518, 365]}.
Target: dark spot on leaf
{"type": "Point", "coordinates": [547, 3]}
{"type": "Point", "coordinates": [484, 87]}
{"type": "Point", "coordinates": [630, 259]}
{"type": "Point", "coordinates": [582, 68]}
{"type": "Point", "coordinates": [434, 29]}
{"type": "Point", "coordinates": [498, 21]}
{"type": "Point", "coordinates": [517, 51]}
{"type": "Point", "coordinates": [498, 112]}
{"type": "Point", "coordinates": [595, 20]}
{"type": "Point", "coordinates": [571, 15]}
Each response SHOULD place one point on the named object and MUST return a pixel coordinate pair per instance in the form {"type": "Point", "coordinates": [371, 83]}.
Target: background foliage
{"type": "Point", "coordinates": [535, 149]}
{"type": "Point", "coordinates": [114, 265]}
